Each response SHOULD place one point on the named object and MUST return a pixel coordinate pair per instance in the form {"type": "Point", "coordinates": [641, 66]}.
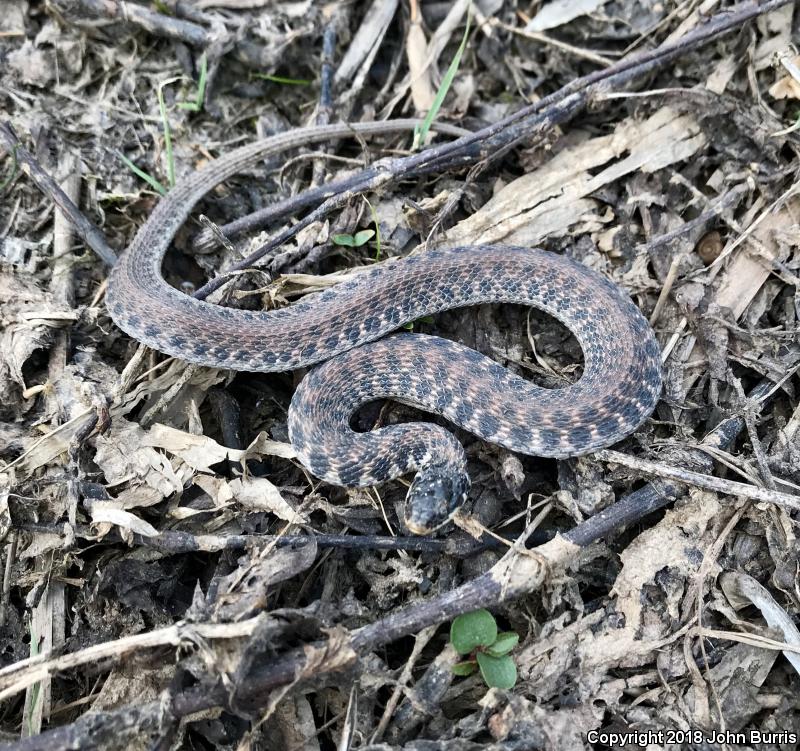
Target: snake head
{"type": "Point", "coordinates": [435, 495]}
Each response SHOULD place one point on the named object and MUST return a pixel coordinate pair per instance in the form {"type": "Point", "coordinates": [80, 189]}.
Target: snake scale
{"type": "Point", "coordinates": [343, 328]}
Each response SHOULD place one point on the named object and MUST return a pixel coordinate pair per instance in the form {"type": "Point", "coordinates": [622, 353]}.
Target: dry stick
{"type": "Point", "coordinates": [8, 568]}
{"type": "Point", "coordinates": [90, 234]}
{"type": "Point", "coordinates": [158, 24]}
{"type": "Point", "coordinates": [170, 542]}
{"type": "Point", "coordinates": [515, 575]}
{"type": "Point", "coordinates": [205, 240]}
{"type": "Point", "coordinates": [717, 484]}
{"type": "Point", "coordinates": [494, 140]}
{"type": "Point", "coordinates": [48, 620]}
{"type": "Point", "coordinates": [325, 104]}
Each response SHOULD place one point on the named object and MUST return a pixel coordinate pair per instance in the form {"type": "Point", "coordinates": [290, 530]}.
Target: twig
{"type": "Point", "coordinates": [170, 542]}
{"type": "Point", "coordinates": [8, 567]}
{"type": "Point", "coordinates": [158, 24]}
{"type": "Point", "coordinates": [92, 236]}
{"type": "Point", "coordinates": [205, 241]}
{"type": "Point", "coordinates": [718, 484]}
{"type": "Point", "coordinates": [536, 36]}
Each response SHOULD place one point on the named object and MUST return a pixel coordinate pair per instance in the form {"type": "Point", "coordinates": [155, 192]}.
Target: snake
{"type": "Point", "coordinates": [347, 336]}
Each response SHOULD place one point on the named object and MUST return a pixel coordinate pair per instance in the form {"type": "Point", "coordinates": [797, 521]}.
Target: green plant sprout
{"type": "Point", "coordinates": [149, 179]}
{"type": "Point", "coordinates": [475, 634]}
{"type": "Point", "coordinates": [35, 689]}
{"type": "Point", "coordinates": [194, 105]}
{"type": "Point", "coordinates": [200, 96]}
{"type": "Point", "coordinates": [283, 79]}
{"type": "Point", "coordinates": [162, 108]}
{"type": "Point", "coordinates": [421, 131]}
{"type": "Point", "coordinates": [354, 241]}
{"type": "Point", "coordinates": [410, 325]}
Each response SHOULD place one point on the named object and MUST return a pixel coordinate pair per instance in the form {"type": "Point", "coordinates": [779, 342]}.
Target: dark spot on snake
{"type": "Point", "coordinates": [150, 330]}
{"type": "Point", "coordinates": [178, 342]}
{"type": "Point", "coordinates": [320, 466]}
{"type": "Point", "coordinates": [550, 438]}
{"type": "Point", "coordinates": [488, 424]}
{"type": "Point", "coordinates": [520, 436]}
{"type": "Point", "coordinates": [348, 475]}
{"type": "Point", "coordinates": [588, 415]}
{"type": "Point", "coordinates": [628, 412]}
{"type": "Point", "coordinates": [580, 436]}
{"type": "Point", "coordinates": [381, 467]}
{"type": "Point", "coordinates": [463, 412]}
{"type": "Point", "coordinates": [607, 426]}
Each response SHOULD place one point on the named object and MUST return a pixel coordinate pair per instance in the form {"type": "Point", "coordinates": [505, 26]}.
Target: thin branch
{"type": "Point", "coordinates": [90, 234]}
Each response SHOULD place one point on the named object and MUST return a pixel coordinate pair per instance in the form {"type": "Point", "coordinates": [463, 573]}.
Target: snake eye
{"type": "Point", "coordinates": [435, 495]}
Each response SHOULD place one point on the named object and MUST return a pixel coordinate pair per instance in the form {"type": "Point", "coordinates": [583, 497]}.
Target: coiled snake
{"type": "Point", "coordinates": [341, 327]}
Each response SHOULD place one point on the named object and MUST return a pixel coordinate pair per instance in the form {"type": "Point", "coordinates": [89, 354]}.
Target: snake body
{"type": "Point", "coordinates": [343, 328]}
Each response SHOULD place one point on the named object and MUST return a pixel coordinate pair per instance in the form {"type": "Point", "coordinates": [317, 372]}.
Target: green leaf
{"type": "Point", "coordinates": [199, 98]}
{"type": "Point", "coordinates": [504, 643]}
{"type": "Point", "coordinates": [35, 690]}
{"type": "Point", "coordinates": [421, 132]}
{"type": "Point", "coordinates": [464, 669]}
{"type": "Point", "coordinates": [162, 108]}
{"type": "Point", "coordinates": [473, 630]}
{"type": "Point", "coordinates": [365, 235]}
{"type": "Point", "coordinates": [283, 79]}
{"type": "Point", "coordinates": [346, 240]}
{"type": "Point", "coordinates": [497, 672]}
{"type": "Point", "coordinates": [149, 179]}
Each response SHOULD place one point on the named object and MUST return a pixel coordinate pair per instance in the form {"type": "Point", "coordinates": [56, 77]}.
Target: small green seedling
{"type": "Point", "coordinates": [475, 634]}
{"type": "Point", "coordinates": [283, 79]}
{"type": "Point", "coordinates": [197, 104]}
{"type": "Point", "coordinates": [149, 179]}
{"type": "Point", "coordinates": [421, 131]}
{"type": "Point", "coordinates": [193, 106]}
{"type": "Point", "coordinates": [162, 108]}
{"type": "Point", "coordinates": [410, 325]}
{"type": "Point", "coordinates": [36, 694]}
{"type": "Point", "coordinates": [354, 241]}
